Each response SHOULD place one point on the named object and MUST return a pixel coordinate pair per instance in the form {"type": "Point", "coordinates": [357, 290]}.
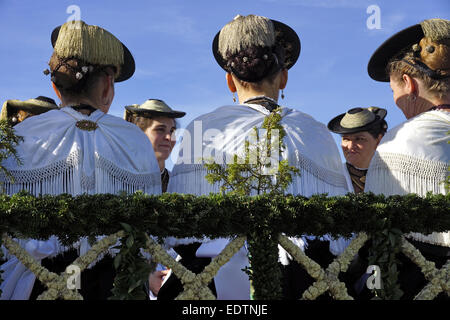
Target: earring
{"type": "Point", "coordinates": [282, 94]}
{"type": "Point", "coordinates": [234, 96]}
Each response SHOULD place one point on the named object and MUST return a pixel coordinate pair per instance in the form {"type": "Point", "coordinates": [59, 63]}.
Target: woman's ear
{"type": "Point", "coordinates": [56, 90]}
{"type": "Point", "coordinates": [284, 78]}
{"type": "Point", "coordinates": [410, 84]}
{"type": "Point", "coordinates": [108, 89]}
{"type": "Point", "coordinates": [230, 82]}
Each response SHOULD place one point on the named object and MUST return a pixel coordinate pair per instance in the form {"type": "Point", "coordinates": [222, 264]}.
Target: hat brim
{"type": "Point", "coordinates": [31, 105]}
{"type": "Point", "coordinates": [285, 36]}
{"type": "Point", "coordinates": [154, 113]}
{"type": "Point", "coordinates": [335, 124]}
{"type": "Point", "coordinates": [390, 48]}
{"type": "Point", "coordinates": [126, 69]}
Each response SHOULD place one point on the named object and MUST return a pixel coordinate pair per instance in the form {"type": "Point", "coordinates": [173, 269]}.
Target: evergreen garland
{"type": "Point", "coordinates": [132, 270]}
{"type": "Point", "coordinates": [261, 218]}
{"type": "Point", "coordinates": [182, 215]}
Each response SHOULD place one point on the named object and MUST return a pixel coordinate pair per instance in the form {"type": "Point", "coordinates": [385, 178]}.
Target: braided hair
{"type": "Point", "coordinates": [73, 77]}
{"type": "Point", "coordinates": [255, 63]}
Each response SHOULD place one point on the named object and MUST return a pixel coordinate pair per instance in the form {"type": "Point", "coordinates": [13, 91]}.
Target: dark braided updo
{"type": "Point", "coordinates": [256, 63]}
{"type": "Point", "coordinates": [74, 77]}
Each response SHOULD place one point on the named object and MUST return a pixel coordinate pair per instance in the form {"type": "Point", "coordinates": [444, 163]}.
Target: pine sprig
{"type": "Point", "coordinates": [8, 143]}
{"type": "Point", "coordinates": [260, 169]}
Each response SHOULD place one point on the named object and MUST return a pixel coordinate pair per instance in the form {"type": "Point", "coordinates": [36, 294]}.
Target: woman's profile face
{"type": "Point", "coordinates": [359, 148]}
{"type": "Point", "coordinates": [161, 134]}
{"type": "Point", "coordinates": [402, 98]}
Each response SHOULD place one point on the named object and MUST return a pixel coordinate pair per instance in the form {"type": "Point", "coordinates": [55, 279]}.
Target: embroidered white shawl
{"type": "Point", "coordinates": [414, 158]}
{"type": "Point", "coordinates": [309, 146]}
{"type": "Point", "coordinates": [58, 157]}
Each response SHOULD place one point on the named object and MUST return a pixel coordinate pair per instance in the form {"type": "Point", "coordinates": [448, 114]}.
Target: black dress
{"type": "Point", "coordinates": [173, 286]}
{"type": "Point", "coordinates": [96, 283]}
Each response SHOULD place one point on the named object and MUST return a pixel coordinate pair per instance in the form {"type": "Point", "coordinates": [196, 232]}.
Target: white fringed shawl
{"type": "Point", "coordinates": [60, 158]}
{"type": "Point", "coordinates": [309, 146]}
{"type": "Point", "coordinates": [414, 158]}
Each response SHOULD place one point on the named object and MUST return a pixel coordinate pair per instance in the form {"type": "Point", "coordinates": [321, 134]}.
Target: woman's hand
{"type": "Point", "coordinates": [155, 280]}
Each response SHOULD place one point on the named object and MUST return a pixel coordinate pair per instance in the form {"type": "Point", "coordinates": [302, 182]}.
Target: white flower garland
{"type": "Point", "coordinates": [439, 279]}
{"type": "Point", "coordinates": [57, 284]}
{"type": "Point", "coordinates": [326, 280]}
{"type": "Point", "coordinates": [195, 285]}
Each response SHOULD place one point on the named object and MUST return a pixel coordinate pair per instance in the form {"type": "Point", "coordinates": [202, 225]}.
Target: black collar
{"type": "Point", "coordinates": [268, 103]}
{"type": "Point", "coordinates": [441, 107]}
{"type": "Point", "coordinates": [83, 106]}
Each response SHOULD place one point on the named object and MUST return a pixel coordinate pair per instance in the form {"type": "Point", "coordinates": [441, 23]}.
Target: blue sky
{"type": "Point", "coordinates": [171, 43]}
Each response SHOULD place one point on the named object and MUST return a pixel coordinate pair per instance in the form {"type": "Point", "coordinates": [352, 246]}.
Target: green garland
{"type": "Point", "coordinates": [259, 217]}
{"type": "Point", "coordinates": [265, 272]}
{"type": "Point", "coordinates": [181, 215]}
{"type": "Point", "coordinates": [132, 270]}
{"type": "Point", "coordinates": [383, 252]}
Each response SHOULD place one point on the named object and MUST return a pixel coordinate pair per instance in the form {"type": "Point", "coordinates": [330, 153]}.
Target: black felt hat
{"type": "Point", "coordinates": [357, 120]}
{"type": "Point", "coordinates": [436, 29]}
{"type": "Point", "coordinates": [285, 37]}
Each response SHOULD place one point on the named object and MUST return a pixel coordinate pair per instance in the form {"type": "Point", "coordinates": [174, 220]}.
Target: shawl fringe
{"type": "Point", "coordinates": [61, 177]}
{"type": "Point", "coordinates": [402, 174]}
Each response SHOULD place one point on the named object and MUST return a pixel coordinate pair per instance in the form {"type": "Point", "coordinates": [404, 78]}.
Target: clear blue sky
{"type": "Point", "coordinates": [171, 43]}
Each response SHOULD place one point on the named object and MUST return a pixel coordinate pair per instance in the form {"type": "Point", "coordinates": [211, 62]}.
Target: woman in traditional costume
{"type": "Point", "coordinates": [79, 149]}
{"type": "Point", "coordinates": [414, 156]}
{"type": "Point", "coordinates": [158, 121]}
{"type": "Point", "coordinates": [361, 130]}
{"type": "Point", "coordinates": [256, 54]}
